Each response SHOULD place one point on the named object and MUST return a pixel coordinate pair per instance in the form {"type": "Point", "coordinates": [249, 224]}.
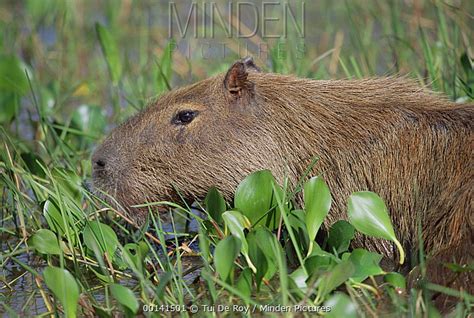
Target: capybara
{"type": "Point", "coordinates": [388, 135]}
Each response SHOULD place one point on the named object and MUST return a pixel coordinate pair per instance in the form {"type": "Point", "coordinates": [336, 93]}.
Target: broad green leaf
{"type": "Point", "coordinates": [317, 199]}
{"type": "Point", "coordinates": [236, 222]}
{"type": "Point", "coordinates": [111, 52]}
{"type": "Point", "coordinates": [225, 253]}
{"type": "Point", "coordinates": [215, 204]}
{"type": "Point", "coordinates": [204, 244]}
{"type": "Point", "coordinates": [296, 220]}
{"type": "Point", "coordinates": [319, 263]}
{"type": "Point", "coordinates": [45, 242]}
{"type": "Point", "coordinates": [125, 298]}
{"type": "Point", "coordinates": [341, 306]}
{"type": "Point", "coordinates": [9, 104]}
{"type": "Point", "coordinates": [54, 218]}
{"type": "Point", "coordinates": [100, 235]}
{"type": "Point", "coordinates": [12, 75]}
{"type": "Point", "coordinates": [340, 236]}
{"type": "Point", "coordinates": [136, 252]}
{"type": "Point", "coordinates": [334, 277]}
{"type": "Point", "coordinates": [396, 280]}
{"type": "Point", "coordinates": [61, 226]}
{"type": "Point", "coordinates": [254, 198]}
{"type": "Point", "coordinates": [258, 241]}
{"type": "Point", "coordinates": [368, 214]}
{"type": "Point", "coordinates": [142, 250]}
{"type": "Point", "coordinates": [299, 277]}
{"type": "Point", "coordinates": [244, 283]}
{"type": "Point", "coordinates": [365, 264]}
{"type": "Point", "coordinates": [258, 257]}
{"type": "Point", "coordinates": [64, 287]}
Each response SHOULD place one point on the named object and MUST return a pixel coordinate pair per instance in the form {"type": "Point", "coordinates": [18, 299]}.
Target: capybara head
{"type": "Point", "coordinates": [207, 134]}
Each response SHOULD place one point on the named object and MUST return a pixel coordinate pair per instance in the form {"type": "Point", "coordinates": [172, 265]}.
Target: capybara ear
{"type": "Point", "coordinates": [236, 80]}
{"type": "Point", "coordinates": [250, 64]}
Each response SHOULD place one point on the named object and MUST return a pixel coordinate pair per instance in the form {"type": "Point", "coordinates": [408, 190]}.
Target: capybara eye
{"type": "Point", "coordinates": [184, 117]}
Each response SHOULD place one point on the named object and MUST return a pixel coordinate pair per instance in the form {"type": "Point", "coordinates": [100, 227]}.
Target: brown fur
{"type": "Point", "coordinates": [388, 135]}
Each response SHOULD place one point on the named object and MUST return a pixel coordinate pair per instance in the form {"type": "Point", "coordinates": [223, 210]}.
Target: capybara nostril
{"type": "Point", "coordinates": [99, 163]}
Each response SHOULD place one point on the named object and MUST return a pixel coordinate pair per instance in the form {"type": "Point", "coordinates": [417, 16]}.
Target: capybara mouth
{"type": "Point", "coordinates": [135, 205]}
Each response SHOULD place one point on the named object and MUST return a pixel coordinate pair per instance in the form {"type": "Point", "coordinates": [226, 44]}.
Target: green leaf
{"type": "Point", "coordinates": [261, 255]}
{"type": "Point", "coordinates": [296, 220]}
{"type": "Point", "coordinates": [126, 298]}
{"type": "Point", "coordinates": [396, 280]}
{"type": "Point", "coordinates": [111, 52]}
{"type": "Point", "coordinates": [244, 283]}
{"type": "Point", "coordinates": [225, 253]}
{"type": "Point", "coordinates": [61, 226]}
{"type": "Point", "coordinates": [333, 278]}
{"type": "Point", "coordinates": [12, 75]}
{"type": "Point", "coordinates": [215, 204]}
{"type": "Point", "coordinates": [340, 236]}
{"type": "Point", "coordinates": [53, 217]}
{"type": "Point", "coordinates": [299, 277]}
{"type": "Point", "coordinates": [365, 264]}
{"type": "Point", "coordinates": [368, 214]}
{"type": "Point", "coordinates": [204, 244]}
{"type": "Point", "coordinates": [64, 287]}
{"type": "Point", "coordinates": [341, 306]}
{"type": "Point", "coordinates": [319, 261]}
{"type": "Point", "coordinates": [45, 242]}
{"type": "Point", "coordinates": [258, 257]}
{"type": "Point", "coordinates": [236, 222]}
{"type": "Point", "coordinates": [255, 199]}
{"type": "Point", "coordinates": [100, 235]}
{"type": "Point", "coordinates": [317, 199]}
{"type": "Point", "coordinates": [9, 104]}
{"type": "Point", "coordinates": [136, 253]}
